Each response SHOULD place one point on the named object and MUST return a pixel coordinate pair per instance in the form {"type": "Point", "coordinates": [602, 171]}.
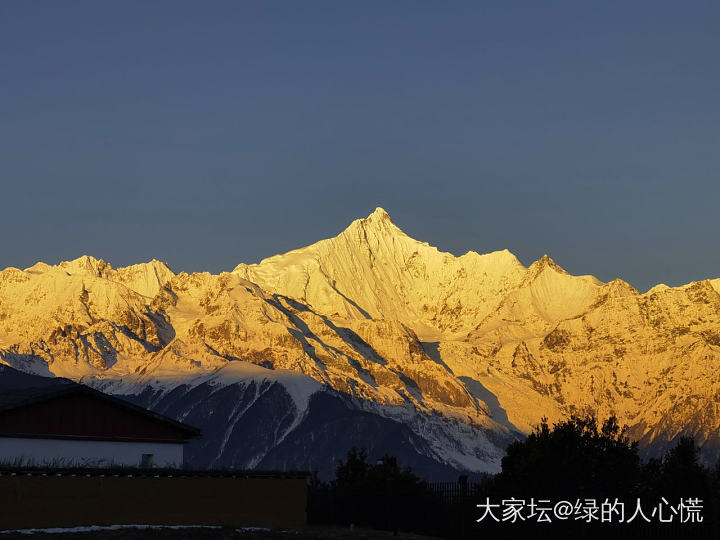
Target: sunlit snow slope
{"type": "Point", "coordinates": [372, 338]}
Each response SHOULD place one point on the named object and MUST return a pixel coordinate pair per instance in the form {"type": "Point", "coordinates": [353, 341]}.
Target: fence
{"type": "Point", "coordinates": [453, 492]}
{"type": "Point", "coordinates": [40, 500]}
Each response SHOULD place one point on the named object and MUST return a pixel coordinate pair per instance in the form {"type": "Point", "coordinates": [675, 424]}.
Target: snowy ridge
{"type": "Point", "coordinates": [299, 387]}
{"type": "Point", "coordinates": [373, 332]}
{"type": "Point", "coordinates": [374, 270]}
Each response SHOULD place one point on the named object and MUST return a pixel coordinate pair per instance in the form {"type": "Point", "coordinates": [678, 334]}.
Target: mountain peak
{"type": "Point", "coordinates": [87, 264]}
{"type": "Point", "coordinates": [618, 287]}
{"type": "Point", "coordinates": [379, 223]}
{"type": "Point", "coordinates": [155, 264]}
{"type": "Point", "coordinates": [379, 213]}
{"type": "Point", "coordinates": [544, 262]}
{"type": "Point", "coordinates": [379, 217]}
{"type": "Point", "coordinates": [657, 288]}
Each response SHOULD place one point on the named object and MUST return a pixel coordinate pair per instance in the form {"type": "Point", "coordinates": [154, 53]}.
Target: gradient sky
{"type": "Point", "coordinates": [211, 133]}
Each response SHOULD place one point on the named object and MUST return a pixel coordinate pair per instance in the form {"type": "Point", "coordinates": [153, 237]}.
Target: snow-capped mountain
{"type": "Point", "coordinates": [372, 338]}
{"type": "Point", "coordinates": [373, 270]}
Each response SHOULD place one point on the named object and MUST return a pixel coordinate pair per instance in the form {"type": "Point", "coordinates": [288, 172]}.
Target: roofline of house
{"type": "Point", "coordinates": [57, 437]}
{"type": "Point", "coordinates": [75, 388]}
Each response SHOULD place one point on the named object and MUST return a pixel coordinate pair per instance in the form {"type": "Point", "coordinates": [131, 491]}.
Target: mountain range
{"type": "Point", "coordinates": [373, 339]}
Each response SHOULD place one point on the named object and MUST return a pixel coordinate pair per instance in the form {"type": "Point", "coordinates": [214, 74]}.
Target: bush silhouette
{"type": "Point", "coordinates": [383, 495]}
{"type": "Point", "coordinates": [574, 459]}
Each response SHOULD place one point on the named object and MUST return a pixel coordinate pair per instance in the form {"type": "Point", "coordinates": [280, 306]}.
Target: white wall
{"type": "Point", "coordinates": [61, 452]}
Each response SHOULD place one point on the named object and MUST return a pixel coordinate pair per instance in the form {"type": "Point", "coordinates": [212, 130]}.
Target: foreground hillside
{"type": "Point", "coordinates": [374, 339]}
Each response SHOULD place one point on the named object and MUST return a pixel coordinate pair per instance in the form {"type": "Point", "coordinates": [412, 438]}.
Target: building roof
{"type": "Point", "coordinates": [11, 399]}
{"type": "Point", "coordinates": [22, 410]}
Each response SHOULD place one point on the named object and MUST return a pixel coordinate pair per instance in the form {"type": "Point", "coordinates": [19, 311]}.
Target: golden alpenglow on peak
{"type": "Point", "coordinates": [86, 264]}
{"type": "Point", "coordinates": [379, 223]}
{"type": "Point", "coordinates": [466, 353]}
{"type": "Point", "coordinates": [380, 214]}
{"type": "Point", "coordinates": [547, 262]}
{"type": "Point", "coordinates": [374, 270]}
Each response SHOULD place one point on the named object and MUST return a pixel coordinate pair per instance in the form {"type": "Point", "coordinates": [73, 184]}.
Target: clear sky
{"type": "Point", "coordinates": [211, 133]}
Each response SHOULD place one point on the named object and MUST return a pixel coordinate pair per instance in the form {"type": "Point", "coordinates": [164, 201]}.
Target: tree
{"type": "Point", "coordinates": [383, 495]}
{"type": "Point", "coordinates": [682, 475]}
{"type": "Point", "coordinates": [573, 459]}
{"type": "Point", "coordinates": [354, 470]}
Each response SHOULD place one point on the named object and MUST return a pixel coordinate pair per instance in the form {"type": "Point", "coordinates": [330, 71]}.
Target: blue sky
{"type": "Point", "coordinates": [211, 133]}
